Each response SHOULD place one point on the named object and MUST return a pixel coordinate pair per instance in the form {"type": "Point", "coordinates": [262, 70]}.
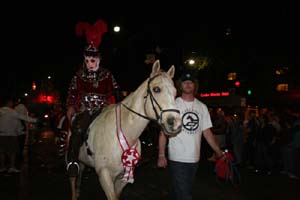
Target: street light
{"type": "Point", "coordinates": [196, 61]}
{"type": "Point", "coordinates": [191, 61]}
{"type": "Point", "coordinates": [117, 29]}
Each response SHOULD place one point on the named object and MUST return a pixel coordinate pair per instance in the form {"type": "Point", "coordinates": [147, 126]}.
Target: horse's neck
{"type": "Point", "coordinates": [131, 123]}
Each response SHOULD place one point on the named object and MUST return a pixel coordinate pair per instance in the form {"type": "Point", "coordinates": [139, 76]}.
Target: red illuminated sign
{"type": "Point", "coordinates": [215, 94]}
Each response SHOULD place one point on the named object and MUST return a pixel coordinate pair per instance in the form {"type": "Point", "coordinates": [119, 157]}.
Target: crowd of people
{"type": "Point", "coordinates": [264, 140]}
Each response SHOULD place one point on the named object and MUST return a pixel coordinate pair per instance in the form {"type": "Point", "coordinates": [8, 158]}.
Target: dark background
{"type": "Point", "coordinates": [40, 40]}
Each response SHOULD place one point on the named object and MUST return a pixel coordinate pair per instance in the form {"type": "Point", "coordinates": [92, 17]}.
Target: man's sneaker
{"type": "Point", "coordinates": [73, 169]}
{"type": "Point", "coordinates": [13, 170]}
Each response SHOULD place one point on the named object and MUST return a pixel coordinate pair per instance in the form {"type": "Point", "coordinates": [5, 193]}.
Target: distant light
{"type": "Point", "coordinates": [26, 94]}
{"type": "Point", "coordinates": [46, 116]}
{"type": "Point", "coordinates": [237, 83]}
{"type": "Point", "coordinates": [33, 86]}
{"type": "Point", "coordinates": [50, 99]}
{"type": "Point", "coordinates": [231, 76]}
{"type": "Point", "coordinates": [46, 99]}
{"type": "Point", "coordinates": [191, 62]}
{"type": "Point", "coordinates": [249, 92]}
{"type": "Point", "coordinates": [49, 77]}
{"type": "Point", "coordinates": [117, 28]}
{"type": "Point", "coordinates": [282, 87]}
{"type": "Point", "coordinates": [228, 31]}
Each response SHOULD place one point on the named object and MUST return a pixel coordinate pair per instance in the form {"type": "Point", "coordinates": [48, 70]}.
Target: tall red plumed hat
{"type": "Point", "coordinates": [93, 35]}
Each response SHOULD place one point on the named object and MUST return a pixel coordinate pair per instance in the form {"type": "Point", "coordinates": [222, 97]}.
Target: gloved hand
{"type": "Point", "coordinates": [117, 94]}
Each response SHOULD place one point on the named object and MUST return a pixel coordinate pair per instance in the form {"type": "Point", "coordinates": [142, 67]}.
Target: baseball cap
{"type": "Point", "coordinates": [187, 76]}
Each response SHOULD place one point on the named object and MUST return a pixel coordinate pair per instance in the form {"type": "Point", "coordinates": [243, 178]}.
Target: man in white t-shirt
{"type": "Point", "coordinates": [184, 149]}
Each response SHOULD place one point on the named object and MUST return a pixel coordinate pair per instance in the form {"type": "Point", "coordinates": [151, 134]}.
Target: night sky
{"type": "Point", "coordinates": [42, 41]}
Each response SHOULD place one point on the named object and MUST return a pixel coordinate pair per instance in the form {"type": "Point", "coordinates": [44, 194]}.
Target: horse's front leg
{"type": "Point", "coordinates": [107, 183]}
{"type": "Point", "coordinates": [119, 185]}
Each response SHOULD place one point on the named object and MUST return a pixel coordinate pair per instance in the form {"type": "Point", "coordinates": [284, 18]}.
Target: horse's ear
{"type": "Point", "coordinates": [171, 71]}
{"type": "Point", "coordinates": [155, 68]}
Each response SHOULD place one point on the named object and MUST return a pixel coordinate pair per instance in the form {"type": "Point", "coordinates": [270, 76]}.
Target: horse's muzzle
{"type": "Point", "coordinates": [171, 131]}
{"type": "Point", "coordinates": [173, 124]}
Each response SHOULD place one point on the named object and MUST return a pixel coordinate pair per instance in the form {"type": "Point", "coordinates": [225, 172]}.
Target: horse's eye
{"type": "Point", "coordinates": [156, 89]}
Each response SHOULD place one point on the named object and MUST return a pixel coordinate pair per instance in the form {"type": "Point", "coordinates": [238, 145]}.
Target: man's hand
{"type": "Point", "coordinates": [162, 161]}
{"type": "Point", "coordinates": [221, 155]}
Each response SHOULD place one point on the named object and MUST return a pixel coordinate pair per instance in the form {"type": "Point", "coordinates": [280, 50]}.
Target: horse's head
{"type": "Point", "coordinates": [160, 99]}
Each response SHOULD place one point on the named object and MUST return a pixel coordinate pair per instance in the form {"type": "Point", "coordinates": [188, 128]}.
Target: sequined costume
{"type": "Point", "coordinates": [92, 90]}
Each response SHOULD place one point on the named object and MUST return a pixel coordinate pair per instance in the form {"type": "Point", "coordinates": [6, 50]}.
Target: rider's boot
{"type": "Point", "coordinates": [73, 152]}
{"type": "Point", "coordinates": [78, 132]}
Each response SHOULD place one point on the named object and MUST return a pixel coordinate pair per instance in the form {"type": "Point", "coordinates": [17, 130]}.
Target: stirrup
{"type": "Point", "coordinates": [71, 168]}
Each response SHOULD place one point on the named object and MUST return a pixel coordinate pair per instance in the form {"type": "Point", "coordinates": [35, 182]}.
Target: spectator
{"type": "Point", "coordinates": [10, 128]}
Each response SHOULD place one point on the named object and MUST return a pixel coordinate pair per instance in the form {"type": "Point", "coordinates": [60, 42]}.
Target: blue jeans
{"type": "Point", "coordinates": [182, 178]}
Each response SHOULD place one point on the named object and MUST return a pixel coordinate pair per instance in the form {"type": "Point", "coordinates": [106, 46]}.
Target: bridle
{"type": "Point", "coordinates": [154, 103]}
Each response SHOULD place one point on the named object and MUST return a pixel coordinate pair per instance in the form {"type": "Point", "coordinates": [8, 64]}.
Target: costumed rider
{"type": "Point", "coordinates": [92, 88]}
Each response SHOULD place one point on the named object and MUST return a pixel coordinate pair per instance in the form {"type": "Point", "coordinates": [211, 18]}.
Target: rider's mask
{"type": "Point", "coordinates": [92, 63]}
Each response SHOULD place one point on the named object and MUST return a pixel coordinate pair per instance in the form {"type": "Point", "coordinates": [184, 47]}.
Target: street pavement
{"type": "Point", "coordinates": [43, 177]}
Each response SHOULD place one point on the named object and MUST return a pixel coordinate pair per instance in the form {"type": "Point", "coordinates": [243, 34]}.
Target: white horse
{"type": "Point", "coordinates": [113, 137]}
